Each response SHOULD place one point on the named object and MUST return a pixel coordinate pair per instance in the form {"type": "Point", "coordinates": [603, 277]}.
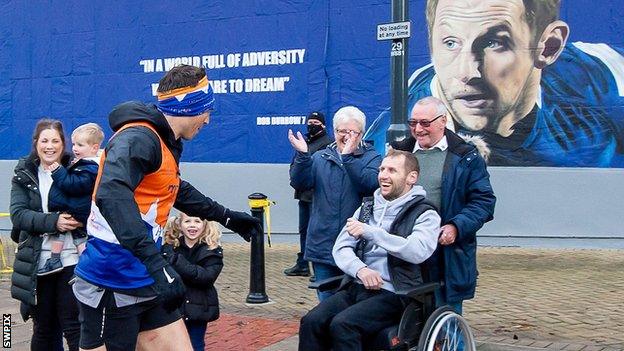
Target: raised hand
{"type": "Point", "coordinates": [350, 145]}
{"type": "Point", "coordinates": [297, 141]}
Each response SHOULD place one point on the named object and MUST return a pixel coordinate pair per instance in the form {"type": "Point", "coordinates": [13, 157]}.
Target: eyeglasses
{"type": "Point", "coordinates": [343, 132]}
{"type": "Point", "coordinates": [423, 122]}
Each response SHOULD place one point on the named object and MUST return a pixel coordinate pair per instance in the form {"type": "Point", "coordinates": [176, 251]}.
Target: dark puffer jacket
{"type": "Point", "coordinates": [29, 223]}
{"type": "Point", "coordinates": [199, 268]}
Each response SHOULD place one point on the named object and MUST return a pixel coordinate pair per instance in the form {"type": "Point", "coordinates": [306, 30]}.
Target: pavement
{"type": "Point", "coordinates": [527, 299]}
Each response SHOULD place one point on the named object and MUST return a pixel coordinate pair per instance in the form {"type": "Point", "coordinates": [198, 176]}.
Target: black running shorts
{"type": "Point", "coordinates": [118, 327]}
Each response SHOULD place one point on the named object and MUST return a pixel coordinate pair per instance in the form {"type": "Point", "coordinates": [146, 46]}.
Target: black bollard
{"type": "Point", "coordinates": [257, 290]}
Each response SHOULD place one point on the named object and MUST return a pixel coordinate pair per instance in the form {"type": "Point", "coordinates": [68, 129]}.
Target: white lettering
{"type": "Point", "coordinates": [266, 58]}
{"type": "Point", "coordinates": [280, 120]}
{"type": "Point", "coordinates": [233, 60]}
{"type": "Point", "coordinates": [213, 61]}
{"type": "Point", "coordinates": [256, 85]}
{"type": "Point", "coordinates": [170, 63]}
{"type": "Point", "coordinates": [148, 65]}
{"type": "Point", "coordinates": [263, 121]}
{"type": "Point", "coordinates": [219, 86]}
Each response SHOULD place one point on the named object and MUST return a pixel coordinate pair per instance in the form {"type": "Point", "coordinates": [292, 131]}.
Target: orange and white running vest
{"type": "Point", "coordinates": [105, 262]}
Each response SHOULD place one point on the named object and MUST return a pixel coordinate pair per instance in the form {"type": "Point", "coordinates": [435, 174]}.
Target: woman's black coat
{"type": "Point", "coordinates": [29, 223]}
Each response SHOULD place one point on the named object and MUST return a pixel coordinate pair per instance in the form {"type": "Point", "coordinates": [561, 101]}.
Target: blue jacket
{"type": "Point", "coordinates": [72, 189]}
{"type": "Point", "coordinates": [339, 186]}
{"type": "Point", "coordinates": [467, 202]}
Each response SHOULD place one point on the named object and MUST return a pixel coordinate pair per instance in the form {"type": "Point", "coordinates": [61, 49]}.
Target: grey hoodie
{"type": "Point", "coordinates": [416, 248]}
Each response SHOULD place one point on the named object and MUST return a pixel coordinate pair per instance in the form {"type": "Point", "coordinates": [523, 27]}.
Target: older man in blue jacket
{"type": "Point", "coordinates": [341, 174]}
{"type": "Point", "coordinates": [455, 177]}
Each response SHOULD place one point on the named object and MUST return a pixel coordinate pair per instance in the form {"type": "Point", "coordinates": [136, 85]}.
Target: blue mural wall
{"type": "Point", "coordinates": [270, 62]}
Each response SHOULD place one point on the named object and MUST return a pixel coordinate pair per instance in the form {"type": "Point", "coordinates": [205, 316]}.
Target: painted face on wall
{"type": "Point", "coordinates": [482, 55]}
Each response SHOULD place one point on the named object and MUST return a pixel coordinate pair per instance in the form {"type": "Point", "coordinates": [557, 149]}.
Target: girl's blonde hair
{"type": "Point", "coordinates": [211, 234]}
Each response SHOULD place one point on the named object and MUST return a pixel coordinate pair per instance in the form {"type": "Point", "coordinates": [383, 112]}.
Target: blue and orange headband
{"type": "Point", "coordinates": [187, 101]}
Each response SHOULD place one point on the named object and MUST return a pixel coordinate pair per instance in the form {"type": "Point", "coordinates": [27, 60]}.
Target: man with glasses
{"type": "Point", "coordinates": [457, 182]}
{"type": "Point", "coordinates": [317, 139]}
{"type": "Point", "coordinates": [341, 174]}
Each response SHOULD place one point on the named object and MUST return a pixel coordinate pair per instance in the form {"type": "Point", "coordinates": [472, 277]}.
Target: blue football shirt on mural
{"type": "Point", "coordinates": [577, 122]}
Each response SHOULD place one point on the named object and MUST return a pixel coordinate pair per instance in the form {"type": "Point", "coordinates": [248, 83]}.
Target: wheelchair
{"type": "Point", "coordinates": [423, 327]}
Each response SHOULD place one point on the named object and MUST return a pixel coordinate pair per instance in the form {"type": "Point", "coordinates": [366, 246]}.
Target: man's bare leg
{"type": "Point", "coordinates": [171, 337]}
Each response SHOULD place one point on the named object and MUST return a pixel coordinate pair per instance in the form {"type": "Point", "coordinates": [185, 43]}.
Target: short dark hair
{"type": "Point", "coordinates": [410, 162]}
{"type": "Point", "coordinates": [43, 124]}
{"type": "Point", "coordinates": [179, 77]}
{"type": "Point", "coordinates": [538, 13]}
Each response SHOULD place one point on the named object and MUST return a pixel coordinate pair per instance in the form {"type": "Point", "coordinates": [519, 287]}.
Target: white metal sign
{"type": "Point", "coordinates": [390, 31]}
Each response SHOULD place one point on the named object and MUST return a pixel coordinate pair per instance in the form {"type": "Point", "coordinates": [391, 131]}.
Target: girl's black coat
{"type": "Point", "coordinates": [199, 268]}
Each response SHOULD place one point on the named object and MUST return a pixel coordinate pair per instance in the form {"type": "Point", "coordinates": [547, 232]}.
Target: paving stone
{"type": "Point", "coordinates": [525, 342]}
{"type": "Point", "coordinates": [593, 348]}
{"type": "Point", "coordinates": [575, 347]}
{"type": "Point", "coordinates": [541, 344]}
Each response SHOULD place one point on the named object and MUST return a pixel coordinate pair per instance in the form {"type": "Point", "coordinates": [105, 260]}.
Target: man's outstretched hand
{"type": "Point", "coordinates": [240, 222]}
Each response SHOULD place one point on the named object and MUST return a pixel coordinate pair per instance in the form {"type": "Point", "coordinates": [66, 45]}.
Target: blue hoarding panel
{"type": "Point", "coordinates": [272, 62]}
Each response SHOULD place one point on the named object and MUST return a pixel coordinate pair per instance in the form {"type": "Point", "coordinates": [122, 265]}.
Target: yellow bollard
{"type": "Point", "coordinates": [264, 205]}
{"type": "Point", "coordinates": [259, 209]}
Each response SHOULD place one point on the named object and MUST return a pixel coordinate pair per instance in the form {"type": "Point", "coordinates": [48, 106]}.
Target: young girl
{"type": "Point", "coordinates": [192, 247]}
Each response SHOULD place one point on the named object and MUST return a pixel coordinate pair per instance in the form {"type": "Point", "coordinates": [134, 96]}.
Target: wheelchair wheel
{"type": "Point", "coordinates": [446, 330]}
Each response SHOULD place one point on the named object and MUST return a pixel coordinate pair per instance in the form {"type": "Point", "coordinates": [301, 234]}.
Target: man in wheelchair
{"type": "Point", "coordinates": [380, 250]}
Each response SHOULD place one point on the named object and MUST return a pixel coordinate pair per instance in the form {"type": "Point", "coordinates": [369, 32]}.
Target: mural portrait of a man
{"type": "Point", "coordinates": [509, 77]}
